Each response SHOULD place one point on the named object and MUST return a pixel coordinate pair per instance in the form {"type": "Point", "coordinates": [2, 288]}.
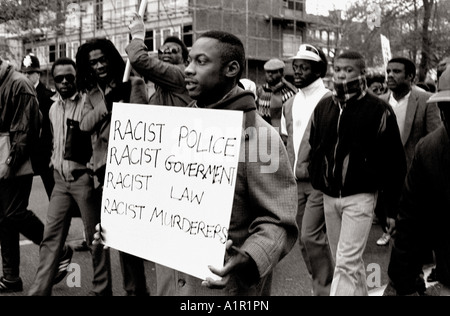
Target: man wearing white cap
{"type": "Point", "coordinates": [275, 93]}
{"type": "Point", "coordinates": [310, 66]}
{"type": "Point", "coordinates": [424, 206]}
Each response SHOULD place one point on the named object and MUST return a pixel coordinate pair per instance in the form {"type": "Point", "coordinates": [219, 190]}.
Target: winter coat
{"type": "Point", "coordinates": [20, 117]}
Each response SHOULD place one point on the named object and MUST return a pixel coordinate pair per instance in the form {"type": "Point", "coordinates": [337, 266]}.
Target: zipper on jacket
{"type": "Point", "coordinates": [341, 110]}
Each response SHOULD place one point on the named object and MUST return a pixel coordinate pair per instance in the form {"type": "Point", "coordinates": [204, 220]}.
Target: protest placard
{"type": "Point", "coordinates": [169, 185]}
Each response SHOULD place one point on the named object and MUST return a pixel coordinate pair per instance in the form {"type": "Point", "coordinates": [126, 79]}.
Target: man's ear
{"type": "Point", "coordinates": [232, 69]}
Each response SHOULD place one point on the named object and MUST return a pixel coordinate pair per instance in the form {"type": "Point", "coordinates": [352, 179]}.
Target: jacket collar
{"type": "Point", "coordinates": [315, 86]}
{"type": "Point", "coordinates": [57, 97]}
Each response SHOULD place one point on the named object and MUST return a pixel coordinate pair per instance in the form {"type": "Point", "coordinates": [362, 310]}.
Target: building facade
{"type": "Point", "coordinates": [268, 28]}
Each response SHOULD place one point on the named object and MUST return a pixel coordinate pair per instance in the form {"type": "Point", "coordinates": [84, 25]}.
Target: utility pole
{"type": "Point", "coordinates": [81, 22]}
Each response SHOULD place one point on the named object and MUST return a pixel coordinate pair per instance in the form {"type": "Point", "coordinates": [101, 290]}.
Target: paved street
{"type": "Point", "coordinates": [290, 278]}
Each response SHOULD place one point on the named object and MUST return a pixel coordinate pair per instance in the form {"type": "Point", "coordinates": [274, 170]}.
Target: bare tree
{"type": "Point", "coordinates": [418, 29]}
{"type": "Point", "coordinates": [426, 40]}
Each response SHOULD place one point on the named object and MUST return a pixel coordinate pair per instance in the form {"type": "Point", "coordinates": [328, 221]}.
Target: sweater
{"type": "Point", "coordinates": [296, 118]}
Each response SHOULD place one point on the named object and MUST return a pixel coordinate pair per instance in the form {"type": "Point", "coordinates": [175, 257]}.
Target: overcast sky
{"type": "Point", "coordinates": [322, 6]}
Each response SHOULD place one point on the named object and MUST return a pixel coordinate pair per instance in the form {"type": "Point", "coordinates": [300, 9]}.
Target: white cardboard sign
{"type": "Point", "coordinates": [169, 184]}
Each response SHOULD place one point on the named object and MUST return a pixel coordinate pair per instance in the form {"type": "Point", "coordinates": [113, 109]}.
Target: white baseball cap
{"type": "Point", "coordinates": [308, 52]}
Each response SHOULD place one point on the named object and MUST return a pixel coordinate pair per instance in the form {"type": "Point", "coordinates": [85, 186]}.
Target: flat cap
{"type": "Point", "coordinates": [274, 64]}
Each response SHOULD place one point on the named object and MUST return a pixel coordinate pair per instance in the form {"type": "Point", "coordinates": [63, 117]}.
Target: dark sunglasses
{"type": "Point", "coordinates": [168, 51]}
{"type": "Point", "coordinates": [69, 78]}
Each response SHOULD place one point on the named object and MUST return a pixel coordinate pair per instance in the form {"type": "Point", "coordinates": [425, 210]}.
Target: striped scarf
{"type": "Point", "coordinates": [265, 101]}
{"type": "Point", "coordinates": [346, 90]}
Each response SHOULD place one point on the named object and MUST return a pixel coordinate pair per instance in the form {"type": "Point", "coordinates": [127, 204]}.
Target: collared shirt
{"type": "Point", "coordinates": [61, 110]}
{"type": "Point", "coordinates": [400, 107]}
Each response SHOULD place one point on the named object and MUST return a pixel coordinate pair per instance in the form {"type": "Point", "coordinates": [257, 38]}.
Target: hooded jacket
{"type": "Point", "coordinates": [263, 221]}
{"type": "Point", "coordinates": [19, 116]}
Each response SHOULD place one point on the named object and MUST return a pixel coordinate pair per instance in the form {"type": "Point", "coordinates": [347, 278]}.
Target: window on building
{"type": "Point", "coordinates": [52, 53]}
{"type": "Point", "coordinates": [149, 40]}
{"type": "Point", "coordinates": [297, 5]}
{"type": "Point", "coordinates": [62, 50]}
{"type": "Point", "coordinates": [291, 43]}
{"type": "Point", "coordinates": [121, 42]}
{"type": "Point", "coordinates": [188, 37]}
{"type": "Point", "coordinates": [166, 34]}
{"type": "Point", "coordinates": [332, 36]}
{"type": "Point", "coordinates": [75, 46]}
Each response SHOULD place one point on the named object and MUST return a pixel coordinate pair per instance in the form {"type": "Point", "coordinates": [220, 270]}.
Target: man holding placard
{"type": "Point", "coordinates": [263, 228]}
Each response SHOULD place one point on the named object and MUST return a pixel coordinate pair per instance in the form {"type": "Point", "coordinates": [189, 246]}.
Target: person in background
{"type": "Point", "coordinates": [166, 71]}
{"type": "Point", "coordinates": [274, 93]}
{"type": "Point", "coordinates": [310, 67]}
{"type": "Point", "coordinates": [377, 84]}
{"type": "Point", "coordinates": [415, 118]}
{"type": "Point", "coordinates": [73, 184]}
{"type": "Point", "coordinates": [100, 72]}
{"type": "Point", "coordinates": [423, 215]}
{"type": "Point", "coordinates": [19, 133]}
{"type": "Point", "coordinates": [356, 152]}
{"type": "Point", "coordinates": [31, 67]}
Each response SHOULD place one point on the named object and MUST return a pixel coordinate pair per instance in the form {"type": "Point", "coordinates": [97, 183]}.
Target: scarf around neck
{"type": "Point", "coordinates": [346, 90]}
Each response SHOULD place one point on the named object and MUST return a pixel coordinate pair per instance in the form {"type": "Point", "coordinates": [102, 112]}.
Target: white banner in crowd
{"type": "Point", "coordinates": [386, 48]}
{"type": "Point", "coordinates": [169, 185]}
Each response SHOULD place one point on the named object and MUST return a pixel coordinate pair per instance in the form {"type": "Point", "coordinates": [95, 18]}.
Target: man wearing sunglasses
{"type": "Point", "coordinates": [166, 71]}
{"type": "Point", "coordinates": [73, 187]}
